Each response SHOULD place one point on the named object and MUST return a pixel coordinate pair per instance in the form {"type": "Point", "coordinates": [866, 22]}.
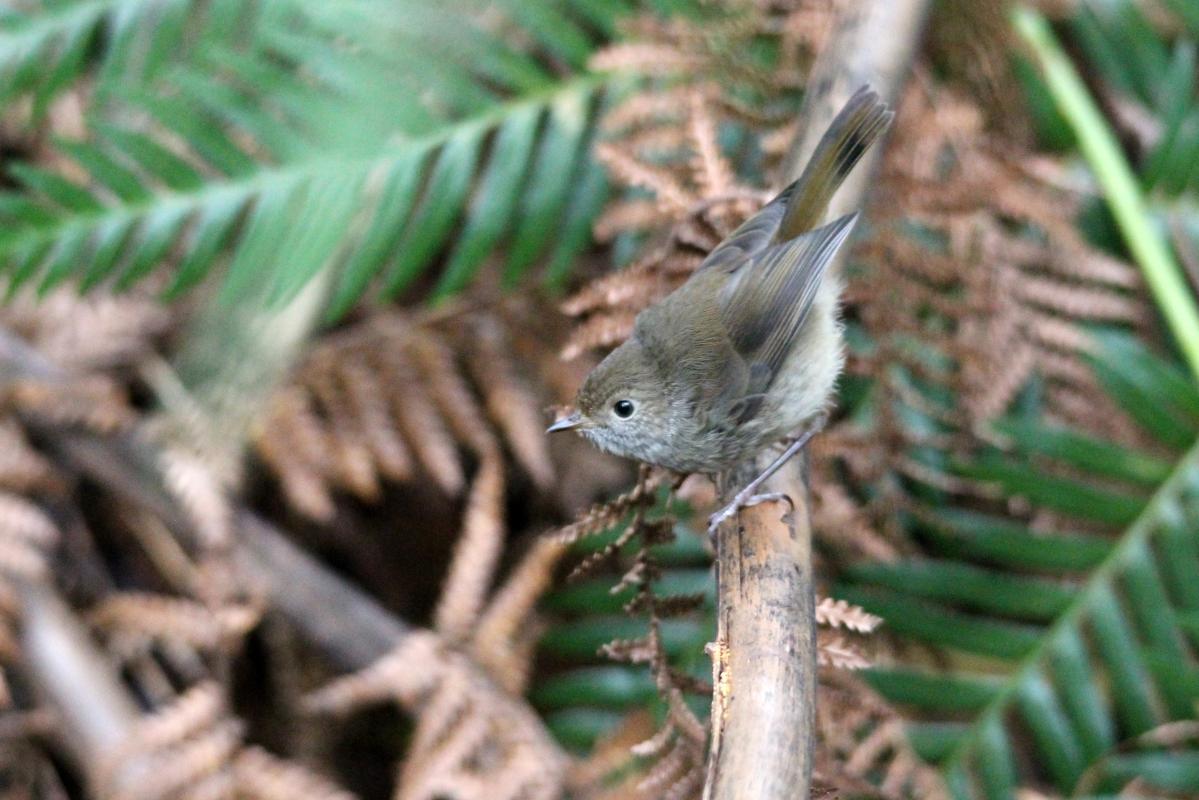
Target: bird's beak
{"type": "Point", "coordinates": [571, 420]}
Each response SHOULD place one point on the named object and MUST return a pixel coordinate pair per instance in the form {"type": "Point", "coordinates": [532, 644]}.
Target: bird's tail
{"type": "Point", "coordinates": [861, 122]}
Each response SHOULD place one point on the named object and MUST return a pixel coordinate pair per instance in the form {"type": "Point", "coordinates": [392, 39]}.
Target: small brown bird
{"type": "Point", "coordinates": [748, 350]}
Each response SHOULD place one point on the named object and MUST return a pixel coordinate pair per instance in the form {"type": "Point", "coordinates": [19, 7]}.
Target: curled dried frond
{"type": "Point", "coordinates": [135, 620]}
{"type": "Point", "coordinates": [473, 741]}
{"type": "Point", "coordinates": [861, 746]}
{"type": "Point", "coordinates": [476, 553]}
{"type": "Point", "coordinates": [393, 395]}
{"type": "Point", "coordinates": [502, 640]}
{"type": "Point", "coordinates": [840, 614]}
{"type": "Point", "coordinates": [94, 402]}
{"type": "Point", "coordinates": [674, 755]}
{"type": "Point", "coordinates": [86, 334]}
{"type": "Point", "coordinates": [260, 775]}
{"type": "Point", "coordinates": [603, 516]}
{"type": "Point", "coordinates": [184, 750]}
{"type": "Point", "coordinates": [22, 469]}
{"type": "Point", "coordinates": [833, 650]}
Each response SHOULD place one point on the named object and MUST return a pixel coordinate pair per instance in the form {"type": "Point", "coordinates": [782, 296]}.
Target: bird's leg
{"type": "Point", "coordinates": [747, 497]}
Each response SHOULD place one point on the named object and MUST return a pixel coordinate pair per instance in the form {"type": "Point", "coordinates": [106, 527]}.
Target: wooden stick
{"type": "Point", "coordinates": [764, 659]}
{"type": "Point", "coordinates": [93, 711]}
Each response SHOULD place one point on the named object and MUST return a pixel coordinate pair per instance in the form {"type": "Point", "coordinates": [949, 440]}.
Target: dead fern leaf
{"type": "Point", "coordinates": [472, 741]}
{"type": "Point", "coordinates": [138, 619]}
{"type": "Point", "coordinates": [93, 402]}
{"type": "Point", "coordinates": [183, 750]}
{"type": "Point", "coordinates": [99, 332]}
{"type": "Point", "coordinates": [390, 396]}
{"type": "Point", "coordinates": [503, 638]}
{"type": "Point", "coordinates": [23, 469]}
{"type": "Point", "coordinates": [476, 553]}
{"type": "Point", "coordinates": [861, 746]}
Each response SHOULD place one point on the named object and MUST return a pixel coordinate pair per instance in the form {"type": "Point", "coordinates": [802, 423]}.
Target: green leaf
{"type": "Point", "coordinates": [438, 210]}
{"type": "Point", "coordinates": [394, 200]}
{"type": "Point", "coordinates": [375, 147]}
{"type": "Point", "coordinates": [972, 588]}
{"type": "Point", "coordinates": [1073, 497]}
{"type": "Point", "coordinates": [969, 534]}
{"type": "Point", "coordinates": [1086, 452]}
{"type": "Point", "coordinates": [579, 728]}
{"type": "Point", "coordinates": [1078, 701]}
{"type": "Point", "coordinates": [936, 624]}
{"type": "Point", "coordinates": [549, 184]}
{"type": "Point", "coordinates": [496, 199]}
{"type": "Point", "coordinates": [615, 687]}
{"type": "Point", "coordinates": [116, 178]}
{"type": "Point", "coordinates": [56, 189]}
{"type": "Point", "coordinates": [938, 692]}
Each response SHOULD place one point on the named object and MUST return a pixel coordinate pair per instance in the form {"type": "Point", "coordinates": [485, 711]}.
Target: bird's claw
{"type": "Point", "coordinates": [739, 502]}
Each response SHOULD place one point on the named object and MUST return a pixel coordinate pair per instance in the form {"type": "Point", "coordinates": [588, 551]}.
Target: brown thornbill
{"type": "Point", "coordinates": [747, 351]}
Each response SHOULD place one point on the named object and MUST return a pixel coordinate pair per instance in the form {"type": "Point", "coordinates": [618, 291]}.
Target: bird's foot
{"type": "Point", "coordinates": [744, 499]}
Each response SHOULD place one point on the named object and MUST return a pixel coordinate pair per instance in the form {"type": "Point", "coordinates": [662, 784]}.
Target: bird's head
{"type": "Point", "coordinates": [622, 406]}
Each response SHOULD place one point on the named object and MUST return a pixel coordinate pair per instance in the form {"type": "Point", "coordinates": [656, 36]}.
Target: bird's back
{"type": "Point", "coordinates": [733, 343]}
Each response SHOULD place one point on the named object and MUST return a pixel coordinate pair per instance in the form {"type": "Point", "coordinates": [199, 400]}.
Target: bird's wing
{"type": "Point", "coordinates": [801, 206]}
{"type": "Point", "coordinates": [766, 302]}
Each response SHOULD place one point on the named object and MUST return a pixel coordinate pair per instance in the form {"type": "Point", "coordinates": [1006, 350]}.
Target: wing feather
{"type": "Point", "coordinates": [766, 304]}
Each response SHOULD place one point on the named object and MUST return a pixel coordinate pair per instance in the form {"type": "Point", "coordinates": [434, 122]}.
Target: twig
{"type": "Point", "coordinates": [94, 713]}
{"type": "Point", "coordinates": [764, 660]}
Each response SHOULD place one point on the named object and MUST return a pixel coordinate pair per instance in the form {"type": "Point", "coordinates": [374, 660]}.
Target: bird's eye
{"type": "Point", "coordinates": [623, 408]}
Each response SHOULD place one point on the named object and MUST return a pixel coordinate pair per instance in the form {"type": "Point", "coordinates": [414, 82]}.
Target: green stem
{"type": "Point", "coordinates": [1111, 168]}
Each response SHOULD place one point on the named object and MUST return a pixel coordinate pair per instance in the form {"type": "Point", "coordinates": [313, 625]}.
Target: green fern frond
{"type": "Point", "coordinates": [44, 52]}
{"type": "Point", "coordinates": [1139, 65]}
{"type": "Point", "coordinates": [334, 139]}
{"type": "Point", "coordinates": [1086, 641]}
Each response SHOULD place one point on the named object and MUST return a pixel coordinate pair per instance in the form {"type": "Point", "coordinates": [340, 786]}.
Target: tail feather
{"type": "Point", "coordinates": [861, 122]}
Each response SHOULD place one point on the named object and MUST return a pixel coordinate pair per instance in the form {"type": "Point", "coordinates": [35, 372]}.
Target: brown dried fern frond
{"type": "Point", "coordinates": [696, 194]}
{"type": "Point", "coordinates": [840, 614]}
{"type": "Point", "coordinates": [974, 241]}
{"type": "Point", "coordinates": [191, 749]}
{"type": "Point", "coordinates": [861, 746]}
{"type": "Point", "coordinates": [477, 552]}
{"type": "Point", "coordinates": [504, 637]}
{"type": "Point", "coordinates": [396, 395]}
{"type": "Point", "coordinates": [260, 775]}
{"type": "Point", "coordinates": [473, 741]}
{"type": "Point", "coordinates": [475, 738]}
{"type": "Point", "coordinates": [838, 642]}
{"type": "Point", "coordinates": [1024, 278]}
{"type": "Point", "coordinates": [23, 469]}
{"type": "Point", "coordinates": [94, 402]}
{"type": "Point", "coordinates": [183, 750]}
{"type": "Point", "coordinates": [93, 333]}
{"type": "Point", "coordinates": [133, 621]}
